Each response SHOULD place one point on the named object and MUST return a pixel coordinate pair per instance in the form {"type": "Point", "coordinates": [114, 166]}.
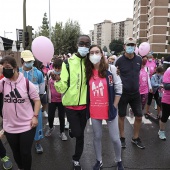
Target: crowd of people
{"type": "Point", "coordinates": [100, 88]}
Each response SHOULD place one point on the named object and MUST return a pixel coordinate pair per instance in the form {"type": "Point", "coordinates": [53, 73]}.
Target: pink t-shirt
{"type": "Point", "coordinates": [17, 109]}
{"type": "Point", "coordinates": [166, 93]}
{"type": "Point", "coordinates": [55, 96]}
{"type": "Point", "coordinates": [99, 103]}
{"type": "Point", "coordinates": [143, 81]}
{"type": "Point", "coordinates": [151, 65]}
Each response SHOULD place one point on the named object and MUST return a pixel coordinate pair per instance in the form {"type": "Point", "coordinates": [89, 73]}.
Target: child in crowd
{"type": "Point", "coordinates": [156, 82]}
{"type": "Point", "coordinates": [54, 99]}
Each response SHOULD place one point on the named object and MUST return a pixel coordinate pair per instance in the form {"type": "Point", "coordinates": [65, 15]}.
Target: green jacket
{"type": "Point", "coordinates": [76, 93]}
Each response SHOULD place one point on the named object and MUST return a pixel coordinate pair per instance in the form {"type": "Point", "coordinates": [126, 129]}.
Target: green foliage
{"type": "Point", "coordinates": [64, 38]}
{"type": "Point", "coordinates": [44, 29]}
{"type": "Point", "coordinates": [116, 45]}
{"type": "Point", "coordinates": [105, 49]}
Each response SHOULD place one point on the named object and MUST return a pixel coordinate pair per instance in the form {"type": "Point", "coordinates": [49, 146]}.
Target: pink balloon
{"type": "Point", "coordinates": [144, 48]}
{"type": "Point", "coordinates": [43, 49]}
{"type": "Point", "coordinates": [136, 50]}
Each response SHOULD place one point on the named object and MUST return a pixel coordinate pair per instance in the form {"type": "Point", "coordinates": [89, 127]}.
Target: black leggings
{"type": "Point", "coordinates": [77, 120]}
{"type": "Point", "coordinates": [21, 145]}
{"type": "Point", "coordinates": [156, 97]}
{"type": "Point", "coordinates": [2, 150]}
{"type": "Point", "coordinates": [61, 114]}
{"type": "Point", "coordinates": [165, 112]}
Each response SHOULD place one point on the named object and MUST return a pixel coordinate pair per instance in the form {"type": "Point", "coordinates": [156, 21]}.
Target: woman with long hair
{"type": "Point", "coordinates": [104, 91]}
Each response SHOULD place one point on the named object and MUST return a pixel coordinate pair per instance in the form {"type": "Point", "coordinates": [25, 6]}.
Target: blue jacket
{"type": "Point", "coordinates": [114, 85]}
{"type": "Point", "coordinates": [156, 81]}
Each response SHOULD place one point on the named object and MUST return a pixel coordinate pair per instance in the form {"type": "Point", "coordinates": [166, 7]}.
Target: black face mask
{"type": "Point", "coordinates": [8, 73]}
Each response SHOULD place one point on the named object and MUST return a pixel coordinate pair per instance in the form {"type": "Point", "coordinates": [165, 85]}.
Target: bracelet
{"type": "Point", "coordinates": [35, 116]}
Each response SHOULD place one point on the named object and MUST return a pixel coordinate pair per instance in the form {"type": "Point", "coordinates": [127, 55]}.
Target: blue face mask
{"type": "Point", "coordinates": [130, 49]}
{"type": "Point", "coordinates": [57, 72]}
{"type": "Point", "coordinates": [83, 51]}
{"type": "Point", "coordinates": [29, 64]}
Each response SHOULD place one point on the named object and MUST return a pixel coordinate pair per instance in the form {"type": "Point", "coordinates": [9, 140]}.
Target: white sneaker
{"type": "Point", "coordinates": [161, 135]}
{"type": "Point", "coordinates": [67, 125]}
{"type": "Point", "coordinates": [63, 136]}
{"type": "Point", "coordinates": [45, 114]}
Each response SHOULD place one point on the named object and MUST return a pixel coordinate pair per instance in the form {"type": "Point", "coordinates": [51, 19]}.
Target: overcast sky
{"type": "Point", "coordinates": [87, 13]}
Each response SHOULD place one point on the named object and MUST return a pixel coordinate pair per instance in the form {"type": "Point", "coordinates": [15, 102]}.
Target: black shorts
{"type": "Point", "coordinates": [134, 100]}
{"type": "Point", "coordinates": [43, 98]}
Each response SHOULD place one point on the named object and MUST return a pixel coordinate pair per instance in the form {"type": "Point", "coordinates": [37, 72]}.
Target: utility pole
{"type": "Point", "coordinates": [24, 23]}
{"type": "Point", "coordinates": [49, 21]}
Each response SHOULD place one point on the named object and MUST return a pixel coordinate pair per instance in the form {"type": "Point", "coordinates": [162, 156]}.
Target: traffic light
{"type": "Point", "coordinates": [26, 35]}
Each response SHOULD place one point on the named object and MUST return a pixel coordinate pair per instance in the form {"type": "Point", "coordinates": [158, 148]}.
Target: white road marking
{"type": "Point", "coordinates": [130, 120]}
{"type": "Point", "coordinates": [144, 120]}
{"type": "Point", "coordinates": [57, 122]}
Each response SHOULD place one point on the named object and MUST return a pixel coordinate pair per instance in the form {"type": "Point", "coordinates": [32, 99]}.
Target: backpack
{"type": "Point", "coordinates": [1, 96]}
{"type": "Point", "coordinates": [67, 67]}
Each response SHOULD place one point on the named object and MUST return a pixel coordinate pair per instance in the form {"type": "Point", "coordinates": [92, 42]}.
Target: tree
{"type": "Point", "coordinates": [71, 32]}
{"type": "Point", "coordinates": [44, 29]}
{"type": "Point", "coordinates": [105, 49]}
{"type": "Point", "coordinates": [65, 37]}
{"type": "Point", "coordinates": [116, 45]}
{"type": "Point", "coordinates": [57, 37]}
{"type": "Point", "coordinates": [139, 41]}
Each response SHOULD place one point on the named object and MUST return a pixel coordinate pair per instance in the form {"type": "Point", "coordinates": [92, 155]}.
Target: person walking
{"type": "Point", "coordinates": [72, 84]}
{"type": "Point", "coordinates": [156, 82]}
{"type": "Point", "coordinates": [104, 91]}
{"type": "Point", "coordinates": [129, 66]}
{"type": "Point", "coordinates": [36, 77]}
{"type": "Point", "coordinates": [144, 85]}
{"type": "Point", "coordinates": [54, 100]}
{"type": "Point", "coordinates": [165, 104]}
{"type": "Point", "coordinates": [6, 162]}
{"type": "Point", "coordinates": [19, 117]}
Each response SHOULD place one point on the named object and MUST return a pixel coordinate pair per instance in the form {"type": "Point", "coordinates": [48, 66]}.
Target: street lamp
{"type": "Point", "coordinates": [49, 21]}
{"type": "Point", "coordinates": [6, 33]}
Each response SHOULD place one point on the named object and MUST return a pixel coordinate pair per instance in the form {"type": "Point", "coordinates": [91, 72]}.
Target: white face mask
{"type": "Point", "coordinates": [150, 59]}
{"type": "Point", "coordinates": [95, 58]}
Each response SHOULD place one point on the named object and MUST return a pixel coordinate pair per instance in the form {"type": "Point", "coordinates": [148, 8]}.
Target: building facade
{"type": "Point", "coordinates": [106, 31]}
{"type": "Point", "coordinates": [102, 33]}
{"type": "Point", "coordinates": [151, 24]}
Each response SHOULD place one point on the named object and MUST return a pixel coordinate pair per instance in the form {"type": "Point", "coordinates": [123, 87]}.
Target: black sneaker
{"type": "Point", "coordinates": [123, 142]}
{"type": "Point", "coordinates": [76, 165]}
{"type": "Point", "coordinates": [138, 143]}
{"type": "Point", "coordinates": [120, 166]}
{"type": "Point", "coordinates": [98, 165]}
{"type": "Point", "coordinates": [70, 133]}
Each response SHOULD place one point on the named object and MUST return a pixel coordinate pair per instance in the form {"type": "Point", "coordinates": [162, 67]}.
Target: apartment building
{"type": "Point", "coordinates": [102, 33]}
{"type": "Point", "coordinates": [118, 30]}
{"type": "Point", "coordinates": [128, 28]}
{"type": "Point", "coordinates": [122, 30]}
{"type": "Point", "coordinates": [151, 23]}
{"type": "Point", "coordinates": [91, 35]}
{"type": "Point", "coordinates": [107, 31]}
